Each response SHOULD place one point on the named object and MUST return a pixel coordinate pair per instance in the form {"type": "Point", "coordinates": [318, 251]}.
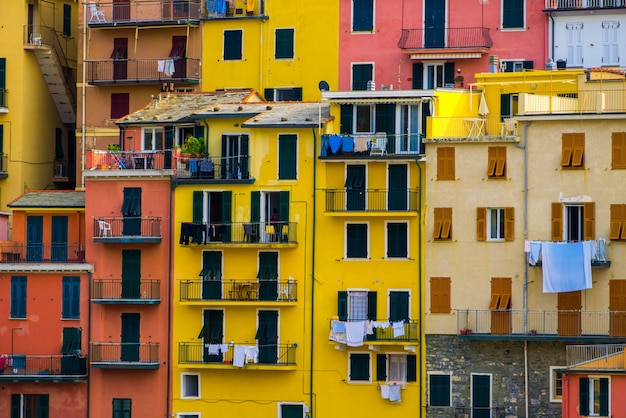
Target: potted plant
{"type": "Point", "coordinates": [458, 81]}
{"type": "Point", "coordinates": [113, 147]}
{"type": "Point", "coordinates": [193, 146]}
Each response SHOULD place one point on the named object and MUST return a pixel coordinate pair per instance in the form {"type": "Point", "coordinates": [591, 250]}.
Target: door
{"type": "Point", "coordinates": [617, 306]}
{"type": "Point", "coordinates": [211, 275]}
{"type": "Point", "coordinates": [398, 187]}
{"type": "Point", "coordinates": [121, 10]}
{"type": "Point", "coordinates": [130, 337]}
{"type": "Point", "coordinates": [59, 239]}
{"type": "Point", "coordinates": [500, 305]}
{"type": "Point", "coordinates": [435, 21]}
{"type": "Point", "coordinates": [131, 274]}
{"type": "Point", "coordinates": [34, 238]}
{"type": "Point", "coordinates": [268, 275]}
{"type": "Point", "coordinates": [355, 187]}
{"type": "Point", "coordinates": [131, 210]}
{"type": "Point", "coordinates": [212, 334]}
{"type": "Point", "coordinates": [481, 396]}
{"type": "Point", "coordinates": [120, 58]}
{"type": "Point", "coordinates": [569, 306]}
{"type": "Point", "coordinates": [235, 157]}
{"type": "Point", "coordinates": [267, 337]}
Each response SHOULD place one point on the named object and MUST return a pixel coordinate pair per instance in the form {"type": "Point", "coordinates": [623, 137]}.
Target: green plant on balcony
{"type": "Point", "coordinates": [113, 147]}
{"type": "Point", "coordinates": [193, 146]}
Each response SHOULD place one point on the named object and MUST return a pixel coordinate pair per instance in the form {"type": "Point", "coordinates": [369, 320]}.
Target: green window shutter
{"type": "Point", "coordinates": [3, 78]}
{"type": "Point", "coordinates": [397, 240]}
{"type": "Point", "coordinates": [18, 297]}
{"type": "Point", "coordinates": [268, 265]}
{"type": "Point", "coordinates": [386, 119]}
{"type": "Point", "coordinates": [16, 405]}
{"type": "Point", "coordinates": [67, 20]}
{"type": "Point", "coordinates": [71, 298]}
{"type": "Point", "coordinates": [215, 321]}
{"type": "Point", "coordinates": [347, 118]}
{"type": "Point", "coordinates": [371, 306]}
{"type": "Point", "coordinates": [297, 93]}
{"type": "Point", "coordinates": [363, 15]}
{"type": "Point", "coordinates": [131, 206]}
{"type": "Point", "coordinates": [269, 95]}
{"type": "Point", "coordinates": [71, 340]}
{"type": "Point", "coordinates": [439, 388]}
{"type": "Point", "coordinates": [418, 76]}
{"type": "Point", "coordinates": [198, 131]}
{"type": "Point", "coordinates": [284, 44]}
{"type": "Point", "coordinates": [212, 264]}
{"type": "Point", "coordinates": [356, 241]}
{"type": "Point", "coordinates": [528, 65]}
{"type": "Point", "coordinates": [342, 305]}
{"type": "Point", "coordinates": [359, 367]}
{"type": "Point", "coordinates": [291, 411]}
{"type": "Point", "coordinates": [169, 137]}
{"type": "Point", "coordinates": [505, 106]}
{"type": "Point", "coordinates": [512, 14]}
{"type": "Point", "coordinates": [227, 206]}
{"type": "Point", "coordinates": [232, 44]}
{"type": "Point", "coordinates": [381, 367]}
{"type": "Point", "coordinates": [411, 368]}
{"type": "Point", "coordinates": [283, 207]}
{"type": "Point", "coordinates": [255, 207]}
{"type": "Point", "coordinates": [44, 408]}
{"type": "Point", "coordinates": [448, 73]}
{"type": "Point", "coordinates": [398, 306]}
{"type": "Point", "coordinates": [583, 397]}
{"type": "Point", "coordinates": [287, 148]}
{"type": "Point", "coordinates": [198, 207]}
{"type": "Point", "coordinates": [604, 396]}
{"type": "Point", "coordinates": [131, 264]}
{"type": "Point", "coordinates": [361, 74]}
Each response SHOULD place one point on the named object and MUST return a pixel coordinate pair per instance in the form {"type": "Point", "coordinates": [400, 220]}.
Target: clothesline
{"type": "Point", "coordinates": [352, 333]}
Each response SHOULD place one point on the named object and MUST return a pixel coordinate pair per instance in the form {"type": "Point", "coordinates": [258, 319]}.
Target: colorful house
{"type": "Point", "coordinates": [44, 330]}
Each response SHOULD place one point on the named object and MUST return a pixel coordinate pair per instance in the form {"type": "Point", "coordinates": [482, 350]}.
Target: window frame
{"type": "Point", "coordinates": [442, 224]}
{"type": "Point", "coordinates": [366, 256]}
{"type": "Point", "coordinates": [357, 71]}
{"type": "Point", "coordinates": [228, 39]}
{"type": "Point", "coordinates": [350, 364]}
{"type": "Point", "coordinates": [281, 404]}
{"type": "Point", "coordinates": [118, 407]}
{"type": "Point", "coordinates": [284, 38]}
{"type": "Point", "coordinates": [154, 132]}
{"type": "Point", "coordinates": [406, 243]}
{"type": "Point", "coordinates": [554, 378]}
{"type": "Point", "coordinates": [183, 384]}
{"type": "Point", "coordinates": [188, 415]}
{"type": "Point", "coordinates": [573, 151]}
{"type": "Point", "coordinates": [430, 392]}
{"type": "Point", "coordinates": [591, 395]}
{"type": "Point", "coordinates": [67, 20]}
{"type": "Point", "coordinates": [363, 123]}
{"type": "Point", "coordinates": [434, 75]}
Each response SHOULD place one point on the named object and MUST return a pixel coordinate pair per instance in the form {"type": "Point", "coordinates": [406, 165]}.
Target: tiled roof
{"type": "Point", "coordinates": [290, 114]}
{"type": "Point", "coordinates": [50, 199]}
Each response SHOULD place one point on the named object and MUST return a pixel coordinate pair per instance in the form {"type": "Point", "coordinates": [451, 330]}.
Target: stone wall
{"type": "Point", "coordinates": [504, 360]}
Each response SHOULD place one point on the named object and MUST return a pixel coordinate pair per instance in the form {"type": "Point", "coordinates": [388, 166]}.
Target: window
{"type": "Point", "coordinates": [573, 222]}
{"type": "Point", "coordinates": [439, 295]}
{"type": "Point", "coordinates": [515, 66]}
{"type": "Point", "coordinates": [120, 106]}
{"type": "Point", "coordinates": [268, 266]}
{"type": "Point", "coordinates": [361, 75]}
{"type": "Point", "coordinates": [71, 298]}
{"type": "Point", "coordinates": [152, 139]}
{"type": "Point", "coordinates": [356, 305]}
{"type": "Point", "coordinates": [362, 15]}
{"type": "Point", "coordinates": [290, 410]}
{"type": "Point", "coordinates": [397, 240]}
{"type": "Point", "coordinates": [399, 306]}
{"type": "Point", "coordinates": [594, 396]}
{"type": "Point", "coordinates": [573, 150]}
{"type": "Point", "coordinates": [30, 406]}
{"type": "Point", "coordinates": [495, 224]}
{"type": "Point", "coordinates": [71, 341]}
{"type": "Point", "coordinates": [364, 115]}
{"type": "Point", "coordinates": [190, 385]}
{"type": "Point", "coordinates": [618, 150]}
{"type": "Point", "coordinates": [445, 163]}
{"type": "Point", "coordinates": [574, 36]}
{"type": "Point", "coordinates": [67, 20]}
{"type": "Point", "coordinates": [512, 14]}
{"type": "Point", "coordinates": [284, 44]}
{"type": "Point", "coordinates": [496, 164]}
{"type": "Point", "coordinates": [356, 241]}
{"type": "Point", "coordinates": [18, 297]}
{"type": "Point", "coordinates": [233, 45]}
{"type": "Point", "coordinates": [618, 222]}
{"type": "Point", "coordinates": [287, 157]}
{"type": "Point", "coordinates": [439, 389]}
{"type": "Point", "coordinates": [610, 43]}
{"type": "Point", "coordinates": [359, 367]}
{"type": "Point", "coordinates": [188, 415]}
{"type": "Point", "coordinates": [182, 133]}
{"type": "Point", "coordinates": [284, 94]}
{"type": "Point", "coordinates": [500, 294]}
{"type": "Point", "coordinates": [235, 149]}
{"type": "Point", "coordinates": [556, 384]}
{"type": "Point", "coordinates": [122, 408]}
{"type": "Point", "coordinates": [443, 224]}
{"type": "Point", "coordinates": [400, 368]}
{"type": "Point", "coordinates": [509, 105]}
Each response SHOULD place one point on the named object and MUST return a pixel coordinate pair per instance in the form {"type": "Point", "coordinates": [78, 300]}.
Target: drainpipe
{"type": "Point", "coordinates": [312, 414]}
{"type": "Point", "coordinates": [89, 278]}
{"type": "Point", "coordinates": [83, 104]}
{"type": "Point", "coordinates": [168, 406]}
{"type": "Point", "coordinates": [551, 35]}
{"type": "Point", "coordinates": [419, 292]}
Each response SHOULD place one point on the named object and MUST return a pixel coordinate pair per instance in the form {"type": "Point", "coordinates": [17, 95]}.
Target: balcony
{"type": "Point", "coordinates": [596, 357]}
{"type": "Point", "coordinates": [471, 129]}
{"type": "Point", "coordinates": [259, 292]}
{"type": "Point", "coordinates": [40, 257]}
{"type": "Point", "coordinates": [109, 355]}
{"type": "Point", "coordinates": [371, 146]}
{"type": "Point", "coordinates": [439, 43]}
{"type": "Point", "coordinates": [383, 332]}
{"type": "Point", "coordinates": [129, 229]}
{"type": "Point", "coordinates": [143, 71]}
{"type": "Point", "coordinates": [144, 13]}
{"type": "Point", "coordinates": [575, 103]}
{"type": "Point", "coordinates": [549, 325]}
{"type": "Point", "coordinates": [126, 292]}
{"type": "Point", "coordinates": [240, 234]}
{"type": "Point", "coordinates": [20, 367]}
{"type": "Point", "coordinates": [236, 9]}
{"type": "Point", "coordinates": [552, 5]}
{"type": "Point", "coordinates": [270, 356]}
{"type": "Point", "coordinates": [372, 200]}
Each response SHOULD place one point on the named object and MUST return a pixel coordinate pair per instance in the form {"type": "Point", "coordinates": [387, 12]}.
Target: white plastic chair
{"type": "Point", "coordinates": [379, 146]}
{"type": "Point", "coordinates": [509, 128]}
{"type": "Point", "coordinates": [96, 15]}
{"type": "Point", "coordinates": [105, 229]}
{"type": "Point", "coordinates": [36, 39]}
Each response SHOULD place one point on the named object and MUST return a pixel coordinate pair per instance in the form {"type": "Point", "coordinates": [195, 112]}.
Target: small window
{"type": "Point", "coordinates": [513, 14]}
{"type": "Point", "coordinates": [397, 240]}
{"type": "Point", "coordinates": [284, 48]}
{"type": "Point", "coordinates": [618, 222]}
{"type": "Point", "coordinates": [152, 139]}
{"type": "Point", "coordinates": [439, 295]}
{"type": "Point", "coordinates": [122, 408]}
{"type": "Point", "coordinates": [23, 405]}
{"type": "Point", "coordinates": [618, 150]}
{"type": "Point", "coordinates": [18, 297]}
{"type": "Point", "coordinates": [445, 163]}
{"type": "Point", "coordinates": [287, 157]}
{"type": "Point", "coordinates": [120, 105]}
{"type": "Point", "coordinates": [573, 150]}
{"type": "Point", "coordinates": [190, 386]}
{"type": "Point", "coordinates": [439, 389]}
{"type": "Point", "coordinates": [71, 298]}
{"type": "Point", "coordinates": [495, 224]}
{"type": "Point", "coordinates": [356, 241]}
{"type": "Point", "coordinates": [362, 74]}
{"type": "Point", "coordinates": [362, 15]}
{"type": "Point", "coordinates": [443, 224]}
{"type": "Point", "coordinates": [359, 367]}
{"type": "Point", "coordinates": [284, 94]}
{"type": "Point", "coordinates": [290, 410]}
{"type": "Point", "coordinates": [188, 415]}
{"type": "Point", "coordinates": [556, 384]}
{"type": "Point", "coordinates": [233, 42]}
{"type": "Point", "coordinates": [573, 222]}
{"type": "Point", "coordinates": [67, 20]}
{"type": "Point", "coordinates": [496, 164]}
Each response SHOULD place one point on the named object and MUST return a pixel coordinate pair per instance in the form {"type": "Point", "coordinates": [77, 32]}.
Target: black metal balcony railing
{"type": "Point", "coordinates": [118, 290]}
{"type": "Point", "coordinates": [116, 227]}
{"type": "Point", "coordinates": [148, 70]}
{"type": "Point", "coordinates": [238, 290]}
{"type": "Point", "coordinates": [223, 168]}
{"type": "Point", "coordinates": [437, 38]}
{"type": "Point", "coordinates": [234, 9]}
{"type": "Point", "coordinates": [152, 12]}
{"type": "Point", "coordinates": [269, 354]}
{"type": "Point", "coordinates": [111, 353]}
{"type": "Point", "coordinates": [40, 253]}
{"type": "Point", "coordinates": [583, 4]}
{"type": "Point", "coordinates": [3, 98]}
{"type": "Point", "coordinates": [261, 233]}
{"type": "Point", "coordinates": [20, 366]}
{"type": "Point", "coordinates": [4, 163]}
{"type": "Point", "coordinates": [371, 200]}
{"type": "Point", "coordinates": [382, 331]}
{"type": "Point", "coordinates": [378, 145]}
{"type": "Point", "coordinates": [564, 324]}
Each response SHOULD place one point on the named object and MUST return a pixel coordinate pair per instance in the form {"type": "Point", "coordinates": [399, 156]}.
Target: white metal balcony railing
{"type": "Point", "coordinates": [597, 356]}
{"type": "Point", "coordinates": [583, 4]}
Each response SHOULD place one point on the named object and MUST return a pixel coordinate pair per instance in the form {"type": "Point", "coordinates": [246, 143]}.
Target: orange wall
{"type": "Point", "coordinates": [75, 226]}
{"type": "Point", "coordinates": [617, 400]}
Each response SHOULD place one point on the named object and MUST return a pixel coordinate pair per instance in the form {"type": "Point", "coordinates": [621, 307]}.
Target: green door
{"type": "Point", "coordinates": [398, 306]}
{"type": "Point", "coordinates": [34, 238]}
{"type": "Point", "coordinates": [267, 336]}
{"type": "Point", "coordinates": [268, 275]}
{"type": "Point", "coordinates": [211, 275]}
{"type": "Point", "coordinates": [131, 274]}
{"type": "Point", "coordinates": [481, 396]}
{"type": "Point", "coordinates": [130, 337]}
{"type": "Point", "coordinates": [398, 188]}
{"type": "Point", "coordinates": [212, 333]}
{"type": "Point", "coordinates": [59, 239]}
{"type": "Point", "coordinates": [355, 187]}
{"type": "Point", "coordinates": [131, 210]}
{"type": "Point", "coordinates": [435, 21]}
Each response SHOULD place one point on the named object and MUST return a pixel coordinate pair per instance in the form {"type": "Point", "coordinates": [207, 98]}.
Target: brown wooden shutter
{"type": "Point", "coordinates": [500, 161]}
{"type": "Point", "coordinates": [481, 224]}
{"type": "Point", "coordinates": [578, 150]}
{"type": "Point", "coordinates": [617, 220]}
{"type": "Point", "coordinates": [618, 150]}
{"type": "Point", "coordinates": [589, 209]}
{"type": "Point", "coordinates": [438, 214]}
{"type": "Point", "coordinates": [500, 293]}
{"type": "Point", "coordinates": [509, 224]}
{"type": "Point", "coordinates": [445, 163]}
{"type": "Point", "coordinates": [557, 221]}
{"type": "Point", "coordinates": [446, 226]}
{"type": "Point", "coordinates": [491, 161]}
{"type": "Point", "coordinates": [566, 150]}
{"type": "Point", "coordinates": [440, 295]}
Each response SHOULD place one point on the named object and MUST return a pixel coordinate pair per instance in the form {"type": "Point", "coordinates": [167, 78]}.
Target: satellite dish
{"type": "Point", "coordinates": [323, 86]}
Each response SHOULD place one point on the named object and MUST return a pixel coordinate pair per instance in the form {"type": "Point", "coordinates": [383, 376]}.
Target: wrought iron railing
{"type": "Point", "coordinates": [144, 12]}
{"type": "Point", "coordinates": [195, 290]}
{"type": "Point", "coordinates": [117, 352]}
{"type": "Point", "coordinates": [371, 200]}
{"type": "Point", "coordinates": [378, 145]}
{"type": "Point", "coordinates": [381, 330]}
{"type": "Point", "coordinates": [428, 38]}
{"type": "Point", "coordinates": [3, 98]}
{"type": "Point", "coordinates": [42, 253]}
{"type": "Point", "coordinates": [269, 354]}
{"type": "Point", "coordinates": [37, 366]}
{"type": "Point", "coordinates": [152, 70]}
{"type": "Point", "coordinates": [238, 233]}
{"type": "Point", "coordinates": [130, 226]}
{"type": "Point", "coordinates": [583, 4]}
{"type": "Point", "coordinates": [124, 290]}
{"type": "Point", "coordinates": [222, 168]}
{"type": "Point", "coordinates": [596, 356]}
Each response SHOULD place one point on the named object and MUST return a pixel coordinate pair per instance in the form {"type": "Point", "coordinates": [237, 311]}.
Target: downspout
{"type": "Point", "coordinates": [206, 142]}
{"type": "Point", "coordinates": [83, 104]}
{"type": "Point", "coordinates": [551, 35]}
{"type": "Point", "coordinates": [89, 278]}
{"type": "Point", "coordinates": [419, 292]}
{"type": "Point", "coordinates": [168, 406]}
{"type": "Point", "coordinates": [312, 414]}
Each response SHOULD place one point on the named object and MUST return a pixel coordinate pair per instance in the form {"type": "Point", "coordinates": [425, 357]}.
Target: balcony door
{"type": "Point", "coordinates": [34, 238]}
{"type": "Point", "coordinates": [397, 186]}
{"type": "Point", "coordinates": [211, 275]}
{"type": "Point", "coordinates": [569, 306]}
{"type": "Point", "coordinates": [130, 337]}
{"type": "Point", "coordinates": [481, 396]}
{"type": "Point", "coordinates": [355, 187]}
{"type": "Point", "coordinates": [235, 157]}
{"type": "Point", "coordinates": [131, 210]}
{"type": "Point", "coordinates": [267, 336]}
{"type": "Point", "coordinates": [617, 306]}
{"type": "Point", "coordinates": [212, 334]}
{"type": "Point", "coordinates": [59, 239]}
{"type": "Point", "coordinates": [131, 274]}
{"type": "Point", "coordinates": [435, 23]}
